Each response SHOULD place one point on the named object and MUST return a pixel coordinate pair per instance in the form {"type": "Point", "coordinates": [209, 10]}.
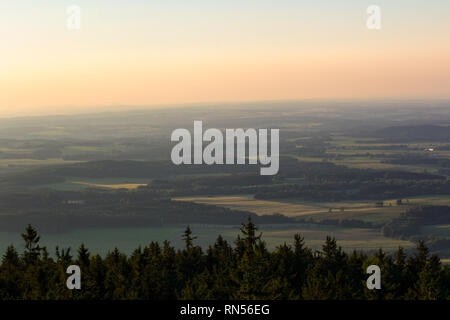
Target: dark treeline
{"type": "Point", "coordinates": [368, 190]}
{"type": "Point", "coordinates": [319, 183]}
{"type": "Point", "coordinates": [409, 226]}
{"type": "Point", "coordinates": [319, 172]}
{"type": "Point", "coordinates": [246, 270]}
{"type": "Point", "coordinates": [410, 222]}
{"type": "Point", "coordinates": [113, 169]}
{"type": "Point", "coordinates": [411, 133]}
{"type": "Point", "coordinates": [312, 172]}
{"type": "Point", "coordinates": [346, 223]}
{"type": "Point", "coordinates": [419, 160]}
{"type": "Point", "coordinates": [60, 211]}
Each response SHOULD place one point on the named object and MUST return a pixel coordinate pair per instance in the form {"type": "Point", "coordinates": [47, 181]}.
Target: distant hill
{"type": "Point", "coordinates": [413, 133]}
{"type": "Point", "coordinates": [111, 168]}
{"type": "Point", "coordinates": [61, 211]}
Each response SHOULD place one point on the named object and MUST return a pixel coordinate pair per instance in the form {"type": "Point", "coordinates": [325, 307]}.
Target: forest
{"type": "Point", "coordinates": [410, 222]}
{"type": "Point", "coordinates": [61, 211]}
{"type": "Point", "coordinates": [244, 270]}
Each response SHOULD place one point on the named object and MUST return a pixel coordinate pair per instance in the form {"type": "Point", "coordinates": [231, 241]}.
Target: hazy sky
{"type": "Point", "coordinates": [170, 51]}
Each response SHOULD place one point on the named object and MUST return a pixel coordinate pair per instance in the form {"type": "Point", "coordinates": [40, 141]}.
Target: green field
{"type": "Point", "coordinates": [125, 185]}
{"type": "Point", "coordinates": [360, 210]}
{"type": "Point", "coordinates": [342, 150]}
{"type": "Point", "coordinates": [128, 239]}
{"type": "Point", "coordinates": [349, 238]}
{"type": "Point", "coordinates": [359, 153]}
{"type": "Point", "coordinates": [260, 207]}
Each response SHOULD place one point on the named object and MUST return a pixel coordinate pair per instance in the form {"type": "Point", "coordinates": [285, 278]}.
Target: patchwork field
{"type": "Point", "coordinates": [260, 207]}
{"type": "Point", "coordinates": [357, 159]}
{"type": "Point", "coordinates": [362, 153]}
{"type": "Point", "coordinates": [348, 238]}
{"type": "Point", "coordinates": [440, 200]}
{"type": "Point", "coordinates": [360, 210]}
{"type": "Point", "coordinates": [373, 163]}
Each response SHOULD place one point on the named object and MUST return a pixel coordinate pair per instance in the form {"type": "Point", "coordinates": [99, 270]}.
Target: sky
{"type": "Point", "coordinates": [156, 52]}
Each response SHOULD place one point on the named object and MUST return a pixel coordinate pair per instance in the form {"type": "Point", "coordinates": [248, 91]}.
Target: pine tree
{"type": "Point", "coordinates": [83, 256]}
{"type": "Point", "coordinates": [249, 271]}
{"type": "Point", "coordinates": [32, 248]}
{"type": "Point", "coordinates": [430, 283]}
{"type": "Point", "coordinates": [188, 239]}
{"type": "Point", "coordinates": [11, 275]}
{"type": "Point", "coordinates": [250, 238]}
{"type": "Point", "coordinates": [191, 258]}
{"type": "Point", "coordinates": [303, 258]}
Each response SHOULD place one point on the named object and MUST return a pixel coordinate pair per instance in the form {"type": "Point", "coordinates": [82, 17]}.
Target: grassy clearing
{"type": "Point", "coordinates": [373, 163]}
{"type": "Point", "coordinates": [309, 159]}
{"type": "Point", "coordinates": [377, 216]}
{"type": "Point", "coordinates": [348, 238]}
{"type": "Point", "coordinates": [99, 240]}
{"type": "Point", "coordinates": [358, 241]}
{"type": "Point", "coordinates": [360, 152]}
{"type": "Point", "coordinates": [360, 210]}
{"type": "Point", "coordinates": [129, 186]}
{"type": "Point", "coordinates": [75, 183]}
{"type": "Point", "coordinates": [248, 203]}
{"type": "Point", "coordinates": [128, 239]}
{"type": "Point", "coordinates": [367, 211]}
{"type": "Point", "coordinates": [443, 200]}
{"type": "Point", "coordinates": [364, 210]}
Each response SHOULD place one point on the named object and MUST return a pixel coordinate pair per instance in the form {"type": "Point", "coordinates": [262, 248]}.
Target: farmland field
{"type": "Point", "coordinates": [348, 238]}
{"type": "Point", "coordinates": [260, 207]}
{"type": "Point", "coordinates": [76, 183]}
{"type": "Point", "coordinates": [339, 160]}
{"type": "Point", "coordinates": [129, 186]}
{"type": "Point", "coordinates": [365, 210]}
{"type": "Point", "coordinates": [128, 239]}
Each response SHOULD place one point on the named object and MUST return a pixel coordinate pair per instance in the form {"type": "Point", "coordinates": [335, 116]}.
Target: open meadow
{"type": "Point", "coordinates": [99, 240]}
{"type": "Point", "coordinates": [359, 210]}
